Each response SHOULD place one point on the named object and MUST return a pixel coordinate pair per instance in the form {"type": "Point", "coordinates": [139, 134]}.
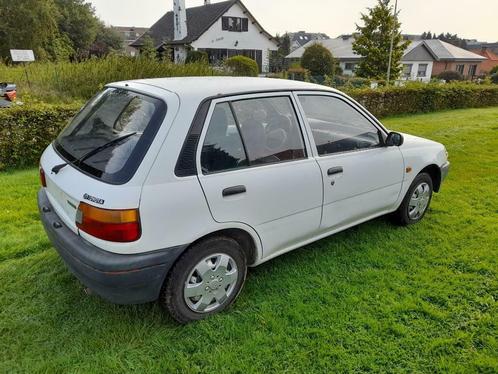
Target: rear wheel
{"type": "Point", "coordinates": [205, 280]}
{"type": "Point", "coordinates": [416, 202]}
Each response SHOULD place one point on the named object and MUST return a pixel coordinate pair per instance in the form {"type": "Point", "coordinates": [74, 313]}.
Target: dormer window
{"type": "Point", "coordinates": [234, 24]}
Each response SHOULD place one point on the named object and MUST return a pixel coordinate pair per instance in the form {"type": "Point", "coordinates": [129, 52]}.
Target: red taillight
{"type": "Point", "coordinates": [43, 180]}
{"type": "Point", "coordinates": [11, 95]}
{"type": "Point", "coordinates": [121, 226]}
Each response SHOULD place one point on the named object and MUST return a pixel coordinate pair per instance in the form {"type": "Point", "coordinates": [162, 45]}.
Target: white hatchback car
{"type": "Point", "coordinates": [170, 188]}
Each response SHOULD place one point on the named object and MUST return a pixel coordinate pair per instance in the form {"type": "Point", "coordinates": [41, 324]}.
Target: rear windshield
{"type": "Point", "coordinates": [113, 114]}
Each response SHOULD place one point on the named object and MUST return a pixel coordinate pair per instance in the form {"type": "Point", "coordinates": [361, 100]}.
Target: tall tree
{"type": "Point", "coordinates": [77, 20]}
{"type": "Point", "coordinates": [107, 41]}
{"type": "Point", "coordinates": [28, 24]}
{"type": "Point", "coordinates": [373, 42]}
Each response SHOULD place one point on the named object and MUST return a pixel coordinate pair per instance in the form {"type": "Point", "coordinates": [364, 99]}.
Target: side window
{"type": "Point", "coordinates": [223, 148]}
{"type": "Point", "coordinates": [270, 130]}
{"type": "Point", "coordinates": [337, 126]}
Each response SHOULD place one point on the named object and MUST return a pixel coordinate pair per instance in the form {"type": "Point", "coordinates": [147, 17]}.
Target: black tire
{"type": "Point", "coordinates": [402, 215]}
{"type": "Point", "coordinates": [172, 296]}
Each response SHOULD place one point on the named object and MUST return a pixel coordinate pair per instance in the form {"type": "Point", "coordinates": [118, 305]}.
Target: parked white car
{"type": "Point", "coordinates": [170, 188]}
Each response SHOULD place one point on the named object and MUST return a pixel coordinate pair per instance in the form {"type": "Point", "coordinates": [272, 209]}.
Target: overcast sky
{"type": "Point", "coordinates": [473, 19]}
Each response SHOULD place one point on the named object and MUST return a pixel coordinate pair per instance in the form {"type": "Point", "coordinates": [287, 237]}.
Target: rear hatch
{"type": "Point", "coordinates": [98, 157]}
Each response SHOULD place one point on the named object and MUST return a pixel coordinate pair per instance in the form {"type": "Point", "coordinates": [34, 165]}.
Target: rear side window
{"type": "Point", "coordinates": [223, 148]}
{"type": "Point", "coordinates": [337, 126]}
{"type": "Point", "coordinates": [110, 136]}
{"type": "Point", "coordinates": [252, 132]}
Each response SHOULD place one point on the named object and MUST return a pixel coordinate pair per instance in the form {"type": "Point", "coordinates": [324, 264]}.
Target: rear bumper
{"type": "Point", "coordinates": [121, 279]}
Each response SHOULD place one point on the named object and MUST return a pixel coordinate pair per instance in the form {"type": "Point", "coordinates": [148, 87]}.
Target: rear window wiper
{"type": "Point", "coordinates": [93, 152]}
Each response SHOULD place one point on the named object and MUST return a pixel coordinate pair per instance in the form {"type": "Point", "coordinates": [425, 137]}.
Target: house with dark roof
{"type": "Point", "coordinates": [300, 38]}
{"type": "Point", "coordinates": [222, 30]}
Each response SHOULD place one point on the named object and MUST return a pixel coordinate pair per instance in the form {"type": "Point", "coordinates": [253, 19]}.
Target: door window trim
{"type": "Point", "coordinates": [353, 104]}
{"type": "Point", "coordinates": [307, 146]}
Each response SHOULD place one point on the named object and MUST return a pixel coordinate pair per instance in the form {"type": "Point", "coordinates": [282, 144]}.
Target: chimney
{"type": "Point", "coordinates": [180, 19]}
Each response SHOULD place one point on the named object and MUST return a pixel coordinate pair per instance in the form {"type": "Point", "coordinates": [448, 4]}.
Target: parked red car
{"type": "Point", "coordinates": [8, 94]}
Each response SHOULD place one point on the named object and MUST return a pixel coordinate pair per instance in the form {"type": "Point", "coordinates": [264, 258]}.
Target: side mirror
{"type": "Point", "coordinates": [394, 139]}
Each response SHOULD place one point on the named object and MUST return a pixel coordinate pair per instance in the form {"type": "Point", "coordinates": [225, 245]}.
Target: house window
{"type": "Point", "coordinates": [460, 68]}
{"type": "Point", "coordinates": [407, 70]}
{"type": "Point", "coordinates": [472, 70]}
{"type": "Point", "coordinates": [422, 70]}
{"type": "Point", "coordinates": [350, 66]}
{"type": "Point", "coordinates": [235, 24]}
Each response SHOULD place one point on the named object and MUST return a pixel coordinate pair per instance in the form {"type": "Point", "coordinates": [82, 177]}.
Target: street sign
{"type": "Point", "coordinates": [22, 55]}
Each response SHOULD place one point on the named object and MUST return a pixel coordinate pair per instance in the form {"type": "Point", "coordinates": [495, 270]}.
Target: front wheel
{"type": "Point", "coordinates": [416, 202]}
{"type": "Point", "coordinates": [205, 280]}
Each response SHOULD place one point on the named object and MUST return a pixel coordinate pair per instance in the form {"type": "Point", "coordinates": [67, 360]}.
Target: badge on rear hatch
{"type": "Point", "coordinates": [95, 200]}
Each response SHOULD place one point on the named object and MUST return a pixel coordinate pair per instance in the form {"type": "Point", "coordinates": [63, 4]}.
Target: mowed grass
{"type": "Point", "coordinates": [375, 298]}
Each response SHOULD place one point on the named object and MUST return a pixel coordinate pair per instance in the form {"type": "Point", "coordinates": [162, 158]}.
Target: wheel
{"type": "Point", "coordinates": [205, 280]}
{"type": "Point", "coordinates": [416, 201]}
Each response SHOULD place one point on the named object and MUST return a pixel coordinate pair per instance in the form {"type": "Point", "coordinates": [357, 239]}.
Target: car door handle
{"type": "Point", "coordinates": [335, 170]}
{"type": "Point", "coordinates": [236, 190]}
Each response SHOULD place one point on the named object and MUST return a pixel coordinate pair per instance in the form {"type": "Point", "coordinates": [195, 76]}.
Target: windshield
{"type": "Point", "coordinates": [113, 114]}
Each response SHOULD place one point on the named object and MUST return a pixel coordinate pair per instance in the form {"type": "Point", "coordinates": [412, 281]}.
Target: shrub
{"type": "Point", "coordinates": [298, 74]}
{"type": "Point", "coordinates": [67, 82]}
{"type": "Point", "coordinates": [25, 131]}
{"type": "Point", "coordinates": [450, 76]}
{"type": "Point", "coordinates": [242, 66]}
{"type": "Point", "coordinates": [388, 101]}
{"type": "Point", "coordinates": [197, 56]}
{"type": "Point", "coordinates": [494, 70]}
{"type": "Point", "coordinates": [494, 78]}
{"type": "Point", "coordinates": [318, 60]}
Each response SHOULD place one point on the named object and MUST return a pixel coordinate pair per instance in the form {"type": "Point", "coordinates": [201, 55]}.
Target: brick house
{"type": "Point", "coordinates": [448, 57]}
{"type": "Point", "coordinates": [490, 63]}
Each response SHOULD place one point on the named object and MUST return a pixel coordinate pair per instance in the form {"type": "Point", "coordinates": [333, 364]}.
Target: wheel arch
{"type": "Point", "coordinates": [434, 172]}
{"type": "Point", "coordinates": [246, 241]}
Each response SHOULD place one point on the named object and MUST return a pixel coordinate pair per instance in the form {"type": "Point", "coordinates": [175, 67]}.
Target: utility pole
{"type": "Point", "coordinates": [392, 43]}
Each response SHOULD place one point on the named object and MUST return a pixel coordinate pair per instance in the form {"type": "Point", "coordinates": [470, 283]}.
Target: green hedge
{"type": "Point", "coordinates": [242, 66]}
{"type": "Point", "coordinates": [424, 98]}
{"type": "Point", "coordinates": [25, 131]}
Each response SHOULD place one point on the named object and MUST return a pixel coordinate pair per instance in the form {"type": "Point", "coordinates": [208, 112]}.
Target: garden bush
{"type": "Point", "coordinates": [450, 76]}
{"type": "Point", "coordinates": [420, 98]}
{"type": "Point", "coordinates": [242, 66]}
{"type": "Point", "coordinates": [25, 131]}
{"type": "Point", "coordinates": [197, 56]}
{"type": "Point", "coordinates": [318, 60]}
{"type": "Point", "coordinates": [494, 78]}
{"type": "Point", "coordinates": [494, 70]}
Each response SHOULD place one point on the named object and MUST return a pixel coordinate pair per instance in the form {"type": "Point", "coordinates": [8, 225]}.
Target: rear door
{"type": "Point", "coordinates": [361, 177]}
{"type": "Point", "coordinates": [256, 168]}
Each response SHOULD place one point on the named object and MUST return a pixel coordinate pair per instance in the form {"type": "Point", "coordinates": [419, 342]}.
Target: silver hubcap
{"type": "Point", "coordinates": [419, 201]}
{"type": "Point", "coordinates": [210, 283]}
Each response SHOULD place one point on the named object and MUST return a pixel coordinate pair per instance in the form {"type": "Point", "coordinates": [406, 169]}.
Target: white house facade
{"type": "Point", "coordinates": [417, 63]}
{"type": "Point", "coordinates": [222, 30]}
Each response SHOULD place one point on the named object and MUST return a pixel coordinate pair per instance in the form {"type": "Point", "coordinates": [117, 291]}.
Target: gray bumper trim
{"type": "Point", "coordinates": [121, 279]}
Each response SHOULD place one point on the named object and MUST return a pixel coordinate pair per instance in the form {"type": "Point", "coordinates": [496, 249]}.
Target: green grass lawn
{"type": "Point", "coordinates": [374, 298]}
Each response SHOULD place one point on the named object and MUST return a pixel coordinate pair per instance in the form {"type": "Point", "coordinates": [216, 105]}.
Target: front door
{"type": "Point", "coordinates": [361, 177]}
{"type": "Point", "coordinates": [255, 168]}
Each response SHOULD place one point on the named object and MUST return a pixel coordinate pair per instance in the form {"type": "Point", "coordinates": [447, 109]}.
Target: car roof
{"type": "Point", "coordinates": [204, 87]}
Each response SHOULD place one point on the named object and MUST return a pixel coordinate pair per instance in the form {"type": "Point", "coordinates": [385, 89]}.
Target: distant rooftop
{"type": "Point", "coordinates": [341, 47]}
